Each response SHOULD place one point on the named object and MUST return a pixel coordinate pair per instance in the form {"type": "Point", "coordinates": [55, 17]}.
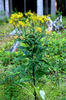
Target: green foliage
{"type": "Point", "coordinates": [59, 12]}
{"type": "Point", "coordinates": [47, 53]}
{"type": "Point", "coordinates": [39, 64]}
{"type": "Point", "coordinates": [3, 18]}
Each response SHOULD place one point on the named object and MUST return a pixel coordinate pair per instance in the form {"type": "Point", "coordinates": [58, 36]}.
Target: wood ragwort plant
{"type": "Point", "coordinates": [30, 64]}
{"type": "Point", "coordinates": [38, 55]}
{"type": "Point", "coordinates": [33, 50]}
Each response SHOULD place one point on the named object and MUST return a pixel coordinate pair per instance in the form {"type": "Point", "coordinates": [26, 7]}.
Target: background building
{"type": "Point", "coordinates": [39, 6]}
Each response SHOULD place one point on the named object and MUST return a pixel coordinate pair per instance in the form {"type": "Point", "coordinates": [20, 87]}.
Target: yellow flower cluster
{"type": "Point", "coordinates": [27, 23]}
{"type": "Point", "coordinates": [34, 17]}
{"type": "Point", "coordinates": [38, 29]}
{"type": "Point", "coordinates": [29, 13]}
{"type": "Point", "coordinates": [31, 20]}
{"type": "Point", "coordinates": [43, 19]}
{"type": "Point", "coordinates": [15, 18]}
{"type": "Point", "coordinates": [20, 23]}
{"type": "Point", "coordinates": [31, 16]}
{"type": "Point", "coordinates": [15, 37]}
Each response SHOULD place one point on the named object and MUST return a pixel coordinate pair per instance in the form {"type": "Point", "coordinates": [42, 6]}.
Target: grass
{"type": "Point", "coordinates": [5, 29]}
{"type": "Point", "coordinates": [52, 91]}
{"type": "Point", "coordinates": [64, 21]}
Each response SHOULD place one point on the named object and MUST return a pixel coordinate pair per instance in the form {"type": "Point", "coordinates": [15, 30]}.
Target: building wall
{"type": "Point", "coordinates": [36, 5]}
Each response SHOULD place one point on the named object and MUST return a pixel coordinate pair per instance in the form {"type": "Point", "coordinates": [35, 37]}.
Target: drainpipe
{"type": "Point", "coordinates": [24, 6]}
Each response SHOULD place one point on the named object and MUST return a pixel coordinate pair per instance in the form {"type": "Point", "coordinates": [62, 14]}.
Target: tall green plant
{"type": "Point", "coordinates": [33, 51]}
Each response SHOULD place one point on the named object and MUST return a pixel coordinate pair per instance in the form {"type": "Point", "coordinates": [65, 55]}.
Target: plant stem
{"type": "Point", "coordinates": [11, 93]}
{"type": "Point", "coordinates": [34, 81]}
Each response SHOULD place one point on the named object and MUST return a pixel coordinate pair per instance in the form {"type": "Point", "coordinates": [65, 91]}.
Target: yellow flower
{"type": "Point", "coordinates": [48, 32]}
{"type": "Point", "coordinates": [22, 37]}
{"type": "Point", "coordinates": [14, 23]}
{"type": "Point", "coordinates": [20, 14]}
{"type": "Point", "coordinates": [17, 25]}
{"type": "Point", "coordinates": [26, 14]}
{"type": "Point", "coordinates": [15, 37]}
{"type": "Point", "coordinates": [27, 21]}
{"type": "Point", "coordinates": [21, 23]}
{"type": "Point", "coordinates": [43, 19]}
{"type": "Point", "coordinates": [16, 15]}
{"type": "Point", "coordinates": [38, 29]}
{"type": "Point", "coordinates": [10, 21]}
{"type": "Point", "coordinates": [40, 19]}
